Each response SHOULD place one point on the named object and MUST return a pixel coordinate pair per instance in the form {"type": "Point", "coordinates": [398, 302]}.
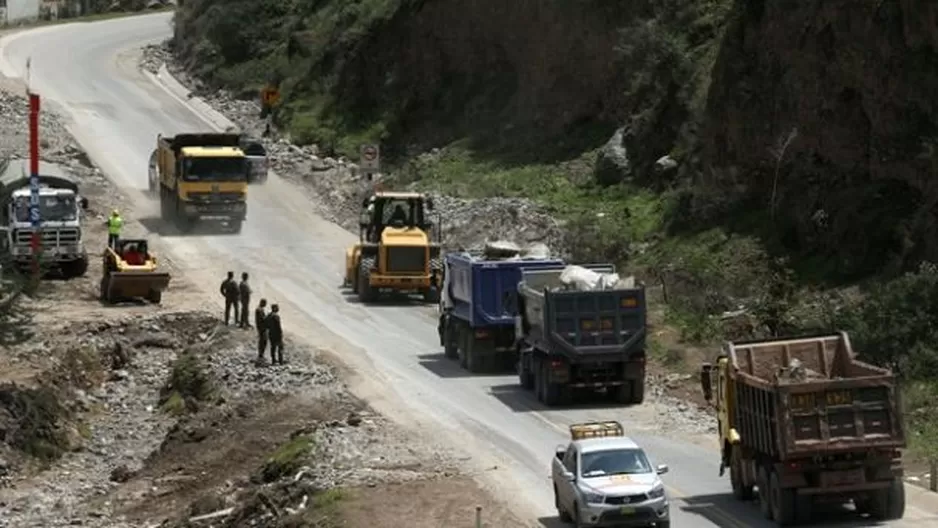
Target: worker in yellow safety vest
{"type": "Point", "coordinates": [114, 225]}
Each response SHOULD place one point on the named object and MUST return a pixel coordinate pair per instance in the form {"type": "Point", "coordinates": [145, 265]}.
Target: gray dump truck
{"type": "Point", "coordinates": [573, 340]}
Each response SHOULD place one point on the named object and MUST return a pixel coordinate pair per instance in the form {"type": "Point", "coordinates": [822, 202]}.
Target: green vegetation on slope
{"type": "Point", "coordinates": [770, 213]}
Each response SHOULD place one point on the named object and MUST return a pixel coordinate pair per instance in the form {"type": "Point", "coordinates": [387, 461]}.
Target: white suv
{"type": "Point", "coordinates": [604, 479]}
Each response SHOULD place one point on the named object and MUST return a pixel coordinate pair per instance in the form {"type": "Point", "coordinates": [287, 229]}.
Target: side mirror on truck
{"type": "Point", "coordinates": [705, 382]}
{"type": "Point", "coordinates": [83, 202]}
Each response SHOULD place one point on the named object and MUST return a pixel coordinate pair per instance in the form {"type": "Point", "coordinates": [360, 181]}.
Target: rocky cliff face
{"type": "Point", "coordinates": [838, 100]}
{"type": "Point", "coordinates": [818, 116]}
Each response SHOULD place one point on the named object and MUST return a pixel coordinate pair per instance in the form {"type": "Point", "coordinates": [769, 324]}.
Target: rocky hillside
{"type": "Point", "coordinates": [819, 117]}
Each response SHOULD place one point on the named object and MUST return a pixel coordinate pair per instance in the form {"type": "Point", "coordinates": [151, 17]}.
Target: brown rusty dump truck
{"type": "Point", "coordinates": [803, 420]}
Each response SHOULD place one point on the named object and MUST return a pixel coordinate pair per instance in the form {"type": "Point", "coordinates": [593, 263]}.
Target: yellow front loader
{"type": "Point", "coordinates": [395, 252]}
{"type": "Point", "coordinates": [130, 271]}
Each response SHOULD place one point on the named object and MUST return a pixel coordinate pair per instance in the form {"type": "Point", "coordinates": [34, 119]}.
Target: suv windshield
{"type": "Point", "coordinates": [215, 170]}
{"type": "Point", "coordinates": [52, 208]}
{"type": "Point", "coordinates": [614, 462]}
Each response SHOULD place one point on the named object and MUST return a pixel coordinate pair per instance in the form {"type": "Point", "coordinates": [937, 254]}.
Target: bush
{"type": "Point", "coordinates": [189, 384]}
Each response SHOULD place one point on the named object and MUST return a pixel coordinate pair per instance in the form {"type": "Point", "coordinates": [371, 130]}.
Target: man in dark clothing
{"type": "Point", "coordinates": [260, 322]}
{"type": "Point", "coordinates": [244, 291]}
{"type": "Point", "coordinates": [229, 290]}
{"type": "Point", "coordinates": [274, 334]}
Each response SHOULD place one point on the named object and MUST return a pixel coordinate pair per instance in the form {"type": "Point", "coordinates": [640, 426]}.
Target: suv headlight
{"type": "Point", "coordinates": [657, 492]}
{"type": "Point", "coordinates": [591, 497]}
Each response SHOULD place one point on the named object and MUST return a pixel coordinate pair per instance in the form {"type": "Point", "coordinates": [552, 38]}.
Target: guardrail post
{"type": "Point", "coordinates": [478, 516]}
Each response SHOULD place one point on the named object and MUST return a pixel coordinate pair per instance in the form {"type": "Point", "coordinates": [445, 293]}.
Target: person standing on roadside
{"type": "Point", "coordinates": [275, 334]}
{"type": "Point", "coordinates": [260, 322]}
{"type": "Point", "coordinates": [244, 293]}
{"type": "Point", "coordinates": [229, 290]}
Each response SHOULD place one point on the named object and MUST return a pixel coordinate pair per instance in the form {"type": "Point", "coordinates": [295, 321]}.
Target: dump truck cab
{"type": "Point", "coordinates": [395, 251]}
{"type": "Point", "coordinates": [130, 271]}
{"type": "Point", "coordinates": [201, 177]}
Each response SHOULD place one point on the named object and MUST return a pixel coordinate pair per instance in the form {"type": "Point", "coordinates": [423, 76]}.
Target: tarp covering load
{"type": "Point", "coordinates": [578, 278]}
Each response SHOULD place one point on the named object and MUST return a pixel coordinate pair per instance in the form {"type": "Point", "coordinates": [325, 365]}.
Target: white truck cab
{"type": "Point", "coordinates": [604, 479]}
{"type": "Point", "coordinates": [60, 205]}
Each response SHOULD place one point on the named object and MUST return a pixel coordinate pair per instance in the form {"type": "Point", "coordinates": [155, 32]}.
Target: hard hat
{"type": "Point", "coordinates": [115, 212]}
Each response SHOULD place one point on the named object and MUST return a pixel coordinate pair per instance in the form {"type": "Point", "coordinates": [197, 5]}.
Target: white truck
{"type": "Point", "coordinates": [60, 206]}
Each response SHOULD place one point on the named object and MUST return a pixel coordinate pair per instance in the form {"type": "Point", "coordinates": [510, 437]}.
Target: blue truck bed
{"type": "Point", "coordinates": [478, 326]}
{"type": "Point", "coordinates": [484, 292]}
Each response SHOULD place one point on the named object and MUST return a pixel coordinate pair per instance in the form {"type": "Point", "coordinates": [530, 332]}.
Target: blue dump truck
{"type": "Point", "coordinates": [478, 308]}
{"type": "Point", "coordinates": [575, 340]}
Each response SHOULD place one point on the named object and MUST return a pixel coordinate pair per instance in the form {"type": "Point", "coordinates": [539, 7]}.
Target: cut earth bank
{"type": "Point", "coordinates": [141, 415]}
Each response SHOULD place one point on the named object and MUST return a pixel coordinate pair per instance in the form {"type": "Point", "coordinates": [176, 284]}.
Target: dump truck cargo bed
{"type": "Point", "coordinates": [582, 325]}
{"type": "Point", "coordinates": [810, 396]}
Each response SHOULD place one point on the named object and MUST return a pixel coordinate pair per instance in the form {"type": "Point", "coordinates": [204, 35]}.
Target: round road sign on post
{"type": "Point", "coordinates": [370, 158]}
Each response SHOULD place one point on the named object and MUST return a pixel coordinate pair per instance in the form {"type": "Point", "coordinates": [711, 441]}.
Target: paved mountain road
{"type": "Point", "coordinates": [296, 258]}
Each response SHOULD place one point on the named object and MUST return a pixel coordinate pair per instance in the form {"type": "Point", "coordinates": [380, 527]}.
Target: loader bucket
{"type": "Point", "coordinates": [130, 284]}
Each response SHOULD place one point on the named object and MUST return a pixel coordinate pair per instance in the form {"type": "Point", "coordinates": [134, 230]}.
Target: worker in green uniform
{"type": "Point", "coordinates": [114, 225]}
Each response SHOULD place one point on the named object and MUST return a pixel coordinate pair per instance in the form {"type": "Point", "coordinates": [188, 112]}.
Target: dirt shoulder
{"type": "Point", "coordinates": [144, 415]}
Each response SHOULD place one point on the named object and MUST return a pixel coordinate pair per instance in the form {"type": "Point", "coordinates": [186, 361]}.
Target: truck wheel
{"type": "Point", "coordinates": [431, 295]}
{"type": "Point", "coordinates": [550, 390]}
{"type": "Point", "coordinates": [623, 393]}
{"type": "Point", "coordinates": [102, 292]}
{"type": "Point", "coordinates": [525, 376]}
{"type": "Point", "coordinates": [637, 391]}
{"type": "Point", "coordinates": [562, 513]}
{"type": "Point", "coordinates": [783, 501]}
{"type": "Point", "coordinates": [365, 292]}
{"type": "Point", "coordinates": [888, 504]}
{"type": "Point", "coordinates": [235, 226]}
{"type": "Point", "coordinates": [450, 340]}
{"type": "Point", "coordinates": [741, 491]}
{"type": "Point", "coordinates": [765, 504]}
{"type": "Point", "coordinates": [473, 363]}
{"type": "Point", "coordinates": [155, 296]}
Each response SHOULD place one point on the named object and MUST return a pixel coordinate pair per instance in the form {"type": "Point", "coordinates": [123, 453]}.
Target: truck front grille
{"type": "Point", "coordinates": [50, 237]}
{"type": "Point", "coordinates": [406, 259]}
{"type": "Point", "coordinates": [207, 197]}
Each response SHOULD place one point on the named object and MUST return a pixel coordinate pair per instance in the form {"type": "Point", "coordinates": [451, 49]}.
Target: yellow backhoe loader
{"type": "Point", "coordinates": [130, 271]}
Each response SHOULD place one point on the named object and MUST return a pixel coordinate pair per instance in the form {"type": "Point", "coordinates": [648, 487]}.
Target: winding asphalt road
{"type": "Point", "coordinates": [89, 71]}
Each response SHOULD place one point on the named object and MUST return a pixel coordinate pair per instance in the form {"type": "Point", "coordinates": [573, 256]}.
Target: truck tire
{"type": "Point", "coordinates": [783, 501]}
{"type": "Point", "coordinates": [472, 359]}
{"type": "Point", "coordinates": [550, 391]}
{"type": "Point", "coordinates": [235, 226]}
{"type": "Point", "coordinates": [525, 376]}
{"type": "Point", "coordinates": [366, 293]}
{"type": "Point", "coordinates": [765, 503]}
{"type": "Point", "coordinates": [741, 490]}
{"type": "Point", "coordinates": [623, 393]}
{"type": "Point", "coordinates": [450, 339]}
{"type": "Point", "coordinates": [155, 296]}
{"type": "Point", "coordinates": [431, 295]}
{"type": "Point", "coordinates": [563, 514]}
{"type": "Point", "coordinates": [888, 504]}
{"type": "Point", "coordinates": [637, 389]}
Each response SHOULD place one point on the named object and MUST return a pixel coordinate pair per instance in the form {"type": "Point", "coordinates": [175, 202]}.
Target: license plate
{"type": "Point", "coordinates": [627, 510]}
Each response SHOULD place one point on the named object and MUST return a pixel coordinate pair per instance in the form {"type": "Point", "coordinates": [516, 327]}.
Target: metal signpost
{"type": "Point", "coordinates": [370, 161]}
{"type": "Point", "coordinates": [35, 213]}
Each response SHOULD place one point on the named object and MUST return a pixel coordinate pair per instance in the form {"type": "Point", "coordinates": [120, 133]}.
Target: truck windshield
{"type": "Point", "coordinates": [614, 462]}
{"type": "Point", "coordinates": [215, 170]}
{"type": "Point", "coordinates": [52, 208]}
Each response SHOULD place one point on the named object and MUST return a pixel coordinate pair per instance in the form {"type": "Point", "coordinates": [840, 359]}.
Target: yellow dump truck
{"type": "Point", "coordinates": [200, 177]}
{"type": "Point", "coordinates": [130, 271]}
{"type": "Point", "coordinates": [395, 252]}
{"type": "Point", "coordinates": [805, 422]}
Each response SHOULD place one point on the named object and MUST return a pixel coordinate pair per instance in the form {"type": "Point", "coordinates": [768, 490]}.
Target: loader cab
{"type": "Point", "coordinates": [398, 210]}
{"type": "Point", "coordinates": [133, 252]}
